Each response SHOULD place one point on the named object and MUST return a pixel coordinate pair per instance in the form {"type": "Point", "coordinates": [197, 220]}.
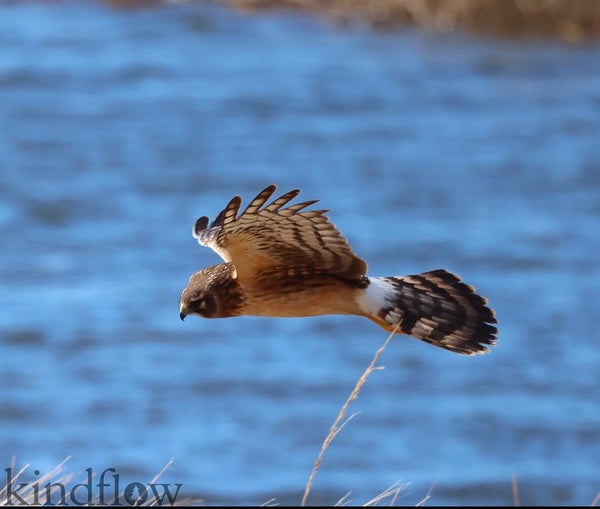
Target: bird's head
{"type": "Point", "coordinates": [211, 293]}
{"type": "Point", "coordinates": [196, 298]}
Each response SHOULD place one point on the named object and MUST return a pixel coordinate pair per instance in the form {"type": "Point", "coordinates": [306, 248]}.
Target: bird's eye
{"type": "Point", "coordinates": [198, 300]}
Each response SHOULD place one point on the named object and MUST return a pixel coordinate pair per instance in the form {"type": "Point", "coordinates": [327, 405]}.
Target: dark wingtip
{"type": "Point", "coordinates": [200, 225]}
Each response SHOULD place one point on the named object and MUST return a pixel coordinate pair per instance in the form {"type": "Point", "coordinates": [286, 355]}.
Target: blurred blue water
{"type": "Point", "coordinates": [119, 128]}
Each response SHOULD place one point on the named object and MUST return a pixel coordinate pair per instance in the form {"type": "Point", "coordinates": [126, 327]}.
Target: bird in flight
{"type": "Point", "coordinates": [284, 261]}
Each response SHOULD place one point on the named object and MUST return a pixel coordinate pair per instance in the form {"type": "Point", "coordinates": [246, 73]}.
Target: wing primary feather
{"type": "Point", "coordinates": [232, 209]}
{"type": "Point", "coordinates": [218, 220]}
{"type": "Point", "coordinates": [282, 200]}
{"type": "Point", "coordinates": [312, 214]}
{"type": "Point", "coordinates": [255, 205]}
{"type": "Point", "coordinates": [299, 206]}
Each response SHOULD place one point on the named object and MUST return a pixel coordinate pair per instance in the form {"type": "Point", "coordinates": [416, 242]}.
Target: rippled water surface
{"type": "Point", "coordinates": [118, 128]}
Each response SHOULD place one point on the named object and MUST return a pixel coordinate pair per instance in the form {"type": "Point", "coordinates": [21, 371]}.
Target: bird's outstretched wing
{"type": "Point", "coordinates": [273, 239]}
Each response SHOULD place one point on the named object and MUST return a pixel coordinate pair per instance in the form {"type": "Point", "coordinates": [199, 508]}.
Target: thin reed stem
{"type": "Point", "coordinates": [335, 428]}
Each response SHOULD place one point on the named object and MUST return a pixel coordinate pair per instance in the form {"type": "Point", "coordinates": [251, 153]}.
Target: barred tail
{"type": "Point", "coordinates": [435, 307]}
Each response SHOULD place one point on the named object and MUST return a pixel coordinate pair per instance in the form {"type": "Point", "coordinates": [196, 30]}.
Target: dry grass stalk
{"type": "Point", "coordinates": [391, 493]}
{"type": "Point", "coordinates": [336, 427]}
{"type": "Point", "coordinates": [29, 493]}
{"type": "Point", "coordinates": [428, 496]}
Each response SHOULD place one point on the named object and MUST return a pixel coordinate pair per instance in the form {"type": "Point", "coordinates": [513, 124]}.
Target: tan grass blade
{"type": "Point", "coordinates": [335, 428]}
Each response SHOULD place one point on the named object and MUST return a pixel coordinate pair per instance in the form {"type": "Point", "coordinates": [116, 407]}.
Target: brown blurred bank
{"type": "Point", "coordinates": [573, 21]}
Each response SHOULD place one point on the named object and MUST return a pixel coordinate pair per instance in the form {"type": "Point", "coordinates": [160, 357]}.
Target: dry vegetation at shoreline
{"type": "Point", "coordinates": [574, 21]}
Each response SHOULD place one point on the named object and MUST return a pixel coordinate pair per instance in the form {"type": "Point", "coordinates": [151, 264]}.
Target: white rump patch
{"type": "Point", "coordinates": [378, 295]}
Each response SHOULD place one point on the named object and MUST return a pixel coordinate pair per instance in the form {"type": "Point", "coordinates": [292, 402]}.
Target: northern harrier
{"type": "Point", "coordinates": [282, 260]}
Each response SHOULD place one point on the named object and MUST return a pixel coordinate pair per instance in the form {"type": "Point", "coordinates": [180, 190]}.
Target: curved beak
{"type": "Point", "coordinates": [183, 312]}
